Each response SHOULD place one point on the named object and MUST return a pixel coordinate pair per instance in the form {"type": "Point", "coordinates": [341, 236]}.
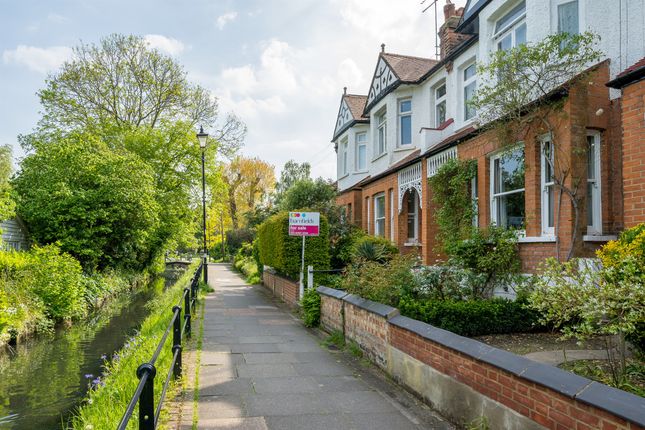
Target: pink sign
{"type": "Point", "coordinates": [304, 223]}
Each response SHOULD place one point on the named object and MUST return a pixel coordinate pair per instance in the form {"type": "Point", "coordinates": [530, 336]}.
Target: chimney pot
{"type": "Point", "coordinates": [448, 9]}
{"type": "Point", "coordinates": [344, 91]}
{"type": "Point", "coordinates": [382, 47]}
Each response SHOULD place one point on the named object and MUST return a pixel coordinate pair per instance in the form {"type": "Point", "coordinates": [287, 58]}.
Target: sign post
{"type": "Point", "coordinates": [303, 224]}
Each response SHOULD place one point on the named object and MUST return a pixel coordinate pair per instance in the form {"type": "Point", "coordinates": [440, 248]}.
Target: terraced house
{"type": "Point", "coordinates": [416, 115]}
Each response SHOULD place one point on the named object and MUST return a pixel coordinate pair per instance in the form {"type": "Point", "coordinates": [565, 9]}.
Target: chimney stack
{"type": "Point", "coordinates": [449, 39]}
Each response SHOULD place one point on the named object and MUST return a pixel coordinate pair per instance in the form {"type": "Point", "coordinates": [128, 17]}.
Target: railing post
{"type": "Point", "coordinates": [193, 287]}
{"type": "Point", "coordinates": [176, 341]}
{"type": "Point", "coordinates": [187, 311]}
{"type": "Point", "coordinates": [310, 277]}
{"type": "Point", "coordinates": [147, 399]}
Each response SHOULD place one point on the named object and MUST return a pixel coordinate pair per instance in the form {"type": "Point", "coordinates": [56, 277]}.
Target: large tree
{"type": "Point", "coordinates": [292, 172]}
{"type": "Point", "coordinates": [7, 204]}
{"type": "Point", "coordinates": [249, 182]}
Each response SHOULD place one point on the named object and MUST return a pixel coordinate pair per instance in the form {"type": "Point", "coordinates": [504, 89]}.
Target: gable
{"type": "Point", "coordinates": [383, 79]}
{"type": "Point", "coordinates": [344, 117]}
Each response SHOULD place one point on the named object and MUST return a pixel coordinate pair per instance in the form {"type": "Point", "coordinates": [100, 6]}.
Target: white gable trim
{"type": "Point", "coordinates": [383, 79]}
{"type": "Point", "coordinates": [344, 116]}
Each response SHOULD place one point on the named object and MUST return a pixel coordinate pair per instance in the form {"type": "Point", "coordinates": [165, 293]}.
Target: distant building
{"type": "Point", "coordinates": [14, 235]}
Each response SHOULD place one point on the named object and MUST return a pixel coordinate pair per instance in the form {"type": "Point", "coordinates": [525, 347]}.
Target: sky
{"type": "Point", "coordinates": [279, 65]}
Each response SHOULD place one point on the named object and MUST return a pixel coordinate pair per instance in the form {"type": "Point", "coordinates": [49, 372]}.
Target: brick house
{"type": "Point", "coordinates": [415, 116]}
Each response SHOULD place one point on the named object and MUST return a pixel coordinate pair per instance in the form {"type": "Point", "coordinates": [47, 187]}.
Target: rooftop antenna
{"type": "Point", "coordinates": [436, 29]}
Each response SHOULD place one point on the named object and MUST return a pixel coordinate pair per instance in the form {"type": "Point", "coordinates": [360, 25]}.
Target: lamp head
{"type": "Point", "coordinates": [202, 137]}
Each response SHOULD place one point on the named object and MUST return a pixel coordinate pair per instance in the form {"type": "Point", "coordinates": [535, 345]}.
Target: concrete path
{"type": "Point", "coordinates": [261, 369]}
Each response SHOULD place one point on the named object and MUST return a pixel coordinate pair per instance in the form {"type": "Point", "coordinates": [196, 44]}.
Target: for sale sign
{"type": "Point", "coordinates": [304, 223]}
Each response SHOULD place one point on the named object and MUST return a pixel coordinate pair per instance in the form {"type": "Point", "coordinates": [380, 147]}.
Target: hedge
{"type": "Point", "coordinates": [473, 317]}
{"type": "Point", "coordinates": [283, 252]}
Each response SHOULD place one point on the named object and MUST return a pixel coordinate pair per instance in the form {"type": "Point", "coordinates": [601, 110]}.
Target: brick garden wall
{"type": "Point", "coordinates": [465, 379]}
{"type": "Point", "coordinates": [287, 289]}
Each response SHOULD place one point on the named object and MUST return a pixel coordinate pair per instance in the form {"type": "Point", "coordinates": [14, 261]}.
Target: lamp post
{"type": "Point", "coordinates": [202, 138]}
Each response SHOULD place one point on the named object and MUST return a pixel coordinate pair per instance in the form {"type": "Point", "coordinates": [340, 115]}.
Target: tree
{"type": "Point", "coordinates": [7, 204]}
{"type": "Point", "coordinates": [307, 194]}
{"type": "Point", "coordinates": [122, 83]}
{"type": "Point", "coordinates": [249, 182]}
{"type": "Point", "coordinates": [292, 172]}
{"type": "Point", "coordinates": [524, 87]}
{"type": "Point", "coordinates": [98, 204]}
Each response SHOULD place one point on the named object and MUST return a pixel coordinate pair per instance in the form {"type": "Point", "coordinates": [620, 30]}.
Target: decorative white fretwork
{"type": "Point", "coordinates": [438, 160]}
{"type": "Point", "coordinates": [344, 116]}
{"type": "Point", "coordinates": [383, 78]}
{"type": "Point", "coordinates": [410, 179]}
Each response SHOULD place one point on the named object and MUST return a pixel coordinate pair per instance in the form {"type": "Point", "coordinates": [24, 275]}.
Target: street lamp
{"type": "Point", "coordinates": [202, 138]}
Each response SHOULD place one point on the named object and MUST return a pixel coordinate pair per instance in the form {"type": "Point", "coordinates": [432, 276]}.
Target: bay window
{"type": "Point", "coordinates": [548, 186]}
{"type": "Point", "coordinates": [440, 105]}
{"type": "Point", "coordinates": [379, 215]}
{"type": "Point", "coordinates": [361, 151]}
{"type": "Point", "coordinates": [470, 85]}
{"type": "Point", "coordinates": [510, 29]}
{"type": "Point", "coordinates": [594, 208]}
{"type": "Point", "coordinates": [405, 122]}
{"type": "Point", "coordinates": [413, 217]}
{"type": "Point", "coordinates": [507, 189]}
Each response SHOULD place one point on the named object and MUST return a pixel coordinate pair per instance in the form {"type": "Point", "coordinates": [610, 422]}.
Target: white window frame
{"type": "Point", "coordinates": [415, 215]}
{"type": "Point", "coordinates": [438, 101]}
{"type": "Point", "coordinates": [343, 156]}
{"type": "Point", "coordinates": [357, 157]}
{"type": "Point", "coordinates": [379, 220]}
{"type": "Point", "coordinates": [510, 28]}
{"type": "Point", "coordinates": [494, 196]}
{"type": "Point", "coordinates": [466, 83]}
{"type": "Point", "coordinates": [380, 145]}
{"type": "Point", "coordinates": [556, 13]}
{"type": "Point", "coordinates": [367, 207]}
{"type": "Point", "coordinates": [400, 116]}
{"type": "Point", "coordinates": [596, 227]}
{"type": "Point", "coordinates": [392, 215]}
{"type": "Point", "coordinates": [545, 183]}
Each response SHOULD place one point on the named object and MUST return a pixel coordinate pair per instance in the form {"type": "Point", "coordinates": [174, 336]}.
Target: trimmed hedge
{"type": "Point", "coordinates": [473, 317]}
{"type": "Point", "coordinates": [282, 252]}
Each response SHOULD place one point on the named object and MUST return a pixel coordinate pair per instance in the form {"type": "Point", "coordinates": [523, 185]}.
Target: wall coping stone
{"type": "Point", "coordinates": [615, 401]}
{"type": "Point", "coordinates": [380, 309]}
{"type": "Point", "coordinates": [331, 292]}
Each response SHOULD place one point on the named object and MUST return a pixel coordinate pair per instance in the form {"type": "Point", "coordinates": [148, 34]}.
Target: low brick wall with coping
{"type": "Point", "coordinates": [286, 289]}
{"type": "Point", "coordinates": [465, 379]}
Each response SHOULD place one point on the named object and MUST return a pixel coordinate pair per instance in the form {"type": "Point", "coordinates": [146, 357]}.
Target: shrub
{"type": "Point", "coordinates": [245, 263]}
{"type": "Point", "coordinates": [310, 304]}
{"type": "Point", "coordinates": [473, 317]}
{"type": "Point", "coordinates": [235, 239]}
{"type": "Point", "coordinates": [445, 282]}
{"type": "Point", "coordinates": [344, 243]}
{"type": "Point", "coordinates": [373, 248]}
{"type": "Point", "coordinates": [283, 252]}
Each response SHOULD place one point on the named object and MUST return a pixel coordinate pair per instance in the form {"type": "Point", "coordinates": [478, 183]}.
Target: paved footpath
{"type": "Point", "coordinates": [261, 369]}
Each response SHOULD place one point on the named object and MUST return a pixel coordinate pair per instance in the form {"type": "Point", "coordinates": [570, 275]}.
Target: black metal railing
{"type": "Point", "coordinates": [146, 372]}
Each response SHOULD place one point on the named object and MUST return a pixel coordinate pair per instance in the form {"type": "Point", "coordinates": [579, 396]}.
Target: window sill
{"type": "Point", "coordinates": [358, 172]}
{"type": "Point", "coordinates": [379, 156]}
{"type": "Point", "coordinates": [404, 148]}
{"type": "Point", "coordinates": [343, 177]}
{"type": "Point", "coordinates": [417, 243]}
{"type": "Point", "coordinates": [599, 237]}
{"type": "Point", "coordinates": [536, 239]}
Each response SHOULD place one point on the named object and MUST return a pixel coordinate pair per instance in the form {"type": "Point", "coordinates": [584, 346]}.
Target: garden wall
{"type": "Point", "coordinates": [285, 288]}
{"type": "Point", "coordinates": [465, 379]}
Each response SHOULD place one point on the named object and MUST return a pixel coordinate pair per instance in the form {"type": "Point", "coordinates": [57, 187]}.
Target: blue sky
{"type": "Point", "coordinates": [279, 65]}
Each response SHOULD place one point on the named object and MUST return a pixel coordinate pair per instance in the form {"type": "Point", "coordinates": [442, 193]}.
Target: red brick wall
{"type": "Point", "coordinates": [287, 289]}
{"type": "Point", "coordinates": [369, 330]}
{"type": "Point", "coordinates": [331, 313]}
{"type": "Point", "coordinates": [353, 199]}
{"type": "Point", "coordinates": [633, 124]}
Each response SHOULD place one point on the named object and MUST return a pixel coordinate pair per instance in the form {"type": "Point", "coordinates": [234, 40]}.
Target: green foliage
{"type": "Point", "coordinates": [472, 317]}
{"type": "Point", "coordinates": [384, 283]}
{"type": "Point", "coordinates": [454, 202]}
{"type": "Point", "coordinates": [492, 254]}
{"type": "Point", "coordinates": [310, 304]}
{"type": "Point", "coordinates": [336, 338]}
{"type": "Point", "coordinates": [292, 172]}
{"type": "Point", "coordinates": [446, 282]}
{"type": "Point", "coordinates": [86, 197]}
{"type": "Point", "coordinates": [283, 252]}
{"type": "Point", "coordinates": [317, 195]}
{"type": "Point", "coordinates": [245, 263]}
{"type": "Point", "coordinates": [236, 239]}
{"type": "Point", "coordinates": [344, 243]}
{"type": "Point", "coordinates": [7, 204]}
{"type": "Point", "coordinates": [373, 248]}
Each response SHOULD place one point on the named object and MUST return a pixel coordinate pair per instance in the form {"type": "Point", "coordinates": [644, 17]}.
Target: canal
{"type": "Point", "coordinates": [43, 380]}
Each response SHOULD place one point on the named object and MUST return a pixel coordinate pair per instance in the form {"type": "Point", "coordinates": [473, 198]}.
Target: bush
{"type": "Point", "coordinates": [283, 252]}
{"type": "Point", "coordinates": [473, 317]}
{"type": "Point", "coordinates": [244, 263]}
{"type": "Point", "coordinates": [445, 282]}
{"type": "Point", "coordinates": [373, 248]}
{"type": "Point", "coordinates": [235, 239]}
{"type": "Point", "coordinates": [310, 303]}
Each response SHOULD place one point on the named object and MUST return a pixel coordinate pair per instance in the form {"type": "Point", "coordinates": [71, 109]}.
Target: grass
{"type": "Point", "coordinates": [249, 268]}
{"type": "Point", "coordinates": [599, 370]}
{"type": "Point", "coordinates": [336, 339]}
{"type": "Point", "coordinates": [106, 402]}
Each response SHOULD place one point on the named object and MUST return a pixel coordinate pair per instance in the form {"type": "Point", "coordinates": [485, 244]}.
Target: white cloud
{"type": "Point", "coordinates": [57, 18]}
{"type": "Point", "coordinates": [41, 60]}
{"type": "Point", "coordinates": [168, 45]}
{"type": "Point", "coordinates": [222, 20]}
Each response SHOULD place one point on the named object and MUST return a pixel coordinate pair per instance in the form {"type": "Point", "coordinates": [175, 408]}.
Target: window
{"type": "Point", "coordinates": [343, 156]}
{"type": "Point", "coordinates": [379, 215]}
{"type": "Point", "coordinates": [361, 151]}
{"type": "Point", "coordinates": [568, 17]}
{"type": "Point", "coordinates": [440, 105]}
{"type": "Point", "coordinates": [594, 214]}
{"type": "Point", "coordinates": [413, 216]}
{"type": "Point", "coordinates": [547, 186]}
{"type": "Point", "coordinates": [507, 189]}
{"type": "Point", "coordinates": [381, 134]}
{"type": "Point", "coordinates": [510, 29]}
{"type": "Point", "coordinates": [392, 215]}
{"type": "Point", "coordinates": [470, 85]}
{"type": "Point", "coordinates": [405, 122]}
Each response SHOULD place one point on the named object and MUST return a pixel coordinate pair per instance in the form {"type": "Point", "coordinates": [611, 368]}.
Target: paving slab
{"type": "Point", "coordinates": [262, 370]}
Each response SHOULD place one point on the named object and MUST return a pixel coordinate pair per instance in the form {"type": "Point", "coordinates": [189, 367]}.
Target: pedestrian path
{"type": "Point", "coordinates": [261, 369]}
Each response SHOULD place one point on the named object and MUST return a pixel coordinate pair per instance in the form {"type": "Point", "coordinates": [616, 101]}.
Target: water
{"type": "Point", "coordinates": [43, 380]}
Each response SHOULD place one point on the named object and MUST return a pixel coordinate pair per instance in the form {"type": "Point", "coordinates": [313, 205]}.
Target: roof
{"type": "Point", "coordinates": [356, 104]}
{"type": "Point", "coordinates": [350, 112]}
{"type": "Point", "coordinates": [633, 73]}
{"type": "Point", "coordinates": [407, 68]}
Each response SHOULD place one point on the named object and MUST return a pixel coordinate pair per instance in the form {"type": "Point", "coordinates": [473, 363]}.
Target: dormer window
{"type": "Point", "coordinates": [510, 29]}
{"type": "Point", "coordinates": [439, 105]}
{"type": "Point", "coordinates": [381, 133]}
{"type": "Point", "coordinates": [405, 122]}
